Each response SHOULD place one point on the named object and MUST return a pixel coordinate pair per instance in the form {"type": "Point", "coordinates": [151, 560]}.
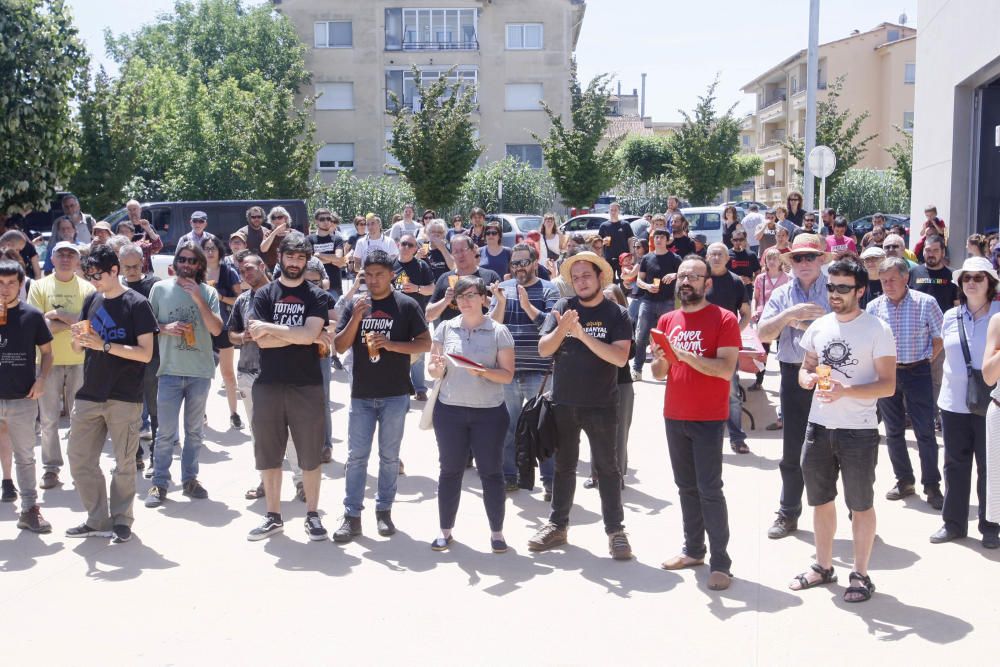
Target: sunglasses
{"type": "Point", "coordinates": [809, 219]}
{"type": "Point", "coordinates": [973, 277]}
{"type": "Point", "coordinates": [407, 244]}
{"type": "Point", "coordinates": [840, 289]}
{"type": "Point", "coordinates": [804, 258]}
{"type": "Point", "coordinates": [520, 263]}
{"type": "Point", "coordinates": [186, 260]}
{"type": "Point", "coordinates": [256, 217]}
{"type": "Point", "coordinates": [198, 221]}
{"type": "Point", "coordinates": [892, 246]}
{"type": "Point", "coordinates": [492, 232]}
{"type": "Point", "coordinates": [324, 219]}
{"type": "Point", "coordinates": [94, 277]}
{"type": "Point", "coordinates": [278, 217]}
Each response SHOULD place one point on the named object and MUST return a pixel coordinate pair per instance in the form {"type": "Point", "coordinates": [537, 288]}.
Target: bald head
{"type": "Point", "coordinates": [717, 255]}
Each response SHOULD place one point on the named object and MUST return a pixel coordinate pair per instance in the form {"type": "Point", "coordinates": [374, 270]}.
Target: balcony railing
{"type": "Point", "coordinates": [774, 100]}
{"type": "Point", "coordinates": [465, 45]}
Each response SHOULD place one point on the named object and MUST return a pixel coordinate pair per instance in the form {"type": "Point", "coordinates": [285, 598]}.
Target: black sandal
{"type": "Point", "coordinates": [740, 447]}
{"type": "Point", "coordinates": [826, 577]}
{"type": "Point", "coordinates": [865, 590]}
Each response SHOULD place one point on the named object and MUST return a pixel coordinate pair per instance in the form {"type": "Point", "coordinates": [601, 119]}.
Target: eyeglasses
{"type": "Point", "coordinates": [468, 296]}
{"type": "Point", "coordinates": [520, 263]}
{"type": "Point", "coordinates": [739, 240]}
{"type": "Point", "coordinates": [407, 244]}
{"type": "Point", "coordinates": [491, 232]}
{"type": "Point", "coordinates": [132, 267]}
{"type": "Point", "coordinates": [324, 218]}
{"type": "Point", "coordinates": [973, 277]}
{"type": "Point", "coordinates": [840, 289]}
{"type": "Point", "coordinates": [428, 217]}
{"type": "Point", "coordinates": [809, 219]}
{"type": "Point", "coordinates": [94, 277]}
{"type": "Point", "coordinates": [690, 277]}
{"type": "Point", "coordinates": [183, 259]}
{"type": "Point", "coordinates": [804, 258]}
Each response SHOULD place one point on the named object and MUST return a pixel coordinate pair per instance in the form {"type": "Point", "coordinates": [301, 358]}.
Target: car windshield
{"type": "Point", "coordinates": [703, 221]}
{"type": "Point", "coordinates": [529, 223]}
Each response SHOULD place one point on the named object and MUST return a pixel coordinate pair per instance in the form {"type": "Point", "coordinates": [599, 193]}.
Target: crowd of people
{"type": "Point", "coordinates": [864, 331]}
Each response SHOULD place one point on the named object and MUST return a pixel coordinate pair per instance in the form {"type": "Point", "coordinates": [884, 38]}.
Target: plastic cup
{"type": "Point", "coordinates": [189, 337]}
{"type": "Point", "coordinates": [452, 281]}
{"type": "Point", "coordinates": [3, 314]}
{"type": "Point", "coordinates": [656, 282]}
{"type": "Point", "coordinates": [373, 355]}
{"type": "Point", "coordinates": [823, 373]}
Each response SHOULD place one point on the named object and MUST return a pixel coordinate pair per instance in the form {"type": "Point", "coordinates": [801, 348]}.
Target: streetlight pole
{"type": "Point", "coordinates": [812, 83]}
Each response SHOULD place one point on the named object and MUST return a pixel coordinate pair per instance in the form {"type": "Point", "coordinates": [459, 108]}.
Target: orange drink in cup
{"type": "Point", "coordinates": [189, 337]}
{"type": "Point", "coordinates": [823, 374]}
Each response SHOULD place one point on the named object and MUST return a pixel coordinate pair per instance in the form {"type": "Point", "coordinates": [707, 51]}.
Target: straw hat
{"type": "Point", "coordinates": [607, 273]}
{"type": "Point", "coordinates": [807, 244]}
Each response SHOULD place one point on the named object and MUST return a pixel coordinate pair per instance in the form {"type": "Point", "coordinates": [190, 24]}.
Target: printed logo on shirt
{"type": "Point", "coordinates": [289, 311]}
{"type": "Point", "coordinates": [933, 281]}
{"type": "Point", "coordinates": [378, 322]}
{"type": "Point", "coordinates": [185, 314]}
{"type": "Point", "coordinates": [837, 355]}
{"type": "Point", "coordinates": [106, 327]}
{"type": "Point", "coordinates": [596, 329]}
{"type": "Point", "coordinates": [739, 263]}
{"type": "Point", "coordinates": [689, 341]}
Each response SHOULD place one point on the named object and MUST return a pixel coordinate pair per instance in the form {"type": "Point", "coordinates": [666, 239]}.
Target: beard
{"type": "Point", "coordinates": [186, 270]}
{"type": "Point", "coordinates": [841, 306]}
{"type": "Point", "coordinates": [523, 276]}
{"type": "Point", "coordinates": [689, 296]}
{"type": "Point", "coordinates": [293, 272]}
{"type": "Point", "coordinates": [932, 262]}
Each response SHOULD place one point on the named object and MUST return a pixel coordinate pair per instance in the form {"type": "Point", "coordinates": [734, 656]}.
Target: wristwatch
{"type": "Point", "coordinates": [107, 348]}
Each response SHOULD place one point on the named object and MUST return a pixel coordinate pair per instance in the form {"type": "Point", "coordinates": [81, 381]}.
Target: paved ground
{"type": "Point", "coordinates": [190, 589]}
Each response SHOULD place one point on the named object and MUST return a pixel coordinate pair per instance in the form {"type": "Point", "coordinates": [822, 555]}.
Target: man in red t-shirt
{"type": "Point", "coordinates": [704, 341]}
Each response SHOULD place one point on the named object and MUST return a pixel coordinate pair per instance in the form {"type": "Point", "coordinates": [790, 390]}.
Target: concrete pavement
{"type": "Point", "coordinates": [190, 589]}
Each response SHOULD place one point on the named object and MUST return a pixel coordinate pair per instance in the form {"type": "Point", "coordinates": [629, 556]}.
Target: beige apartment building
{"type": "Point", "coordinates": [516, 53]}
{"type": "Point", "coordinates": [879, 67]}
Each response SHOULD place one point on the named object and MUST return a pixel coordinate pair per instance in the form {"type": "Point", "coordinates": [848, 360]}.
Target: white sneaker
{"type": "Point", "coordinates": [636, 376]}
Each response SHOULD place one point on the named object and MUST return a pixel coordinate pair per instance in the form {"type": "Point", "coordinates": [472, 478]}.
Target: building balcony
{"type": "Point", "coordinates": [799, 100]}
{"type": "Point", "coordinates": [469, 45]}
{"type": "Point", "coordinates": [771, 151]}
{"type": "Point", "coordinates": [775, 195]}
{"type": "Point", "coordinates": [775, 110]}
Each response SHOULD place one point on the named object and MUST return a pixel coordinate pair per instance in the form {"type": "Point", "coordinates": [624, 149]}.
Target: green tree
{"type": "Point", "coordinates": [349, 196]}
{"type": "Point", "coordinates": [638, 196]}
{"type": "Point", "coordinates": [648, 157]}
{"type": "Point", "coordinates": [42, 70]}
{"type": "Point", "coordinates": [99, 180]}
{"type": "Point", "coordinates": [435, 145]}
{"type": "Point", "coordinates": [705, 152]}
{"type": "Point", "coordinates": [838, 130]}
{"type": "Point", "coordinates": [525, 190]}
{"type": "Point", "coordinates": [580, 168]}
{"type": "Point", "coordinates": [902, 155]}
{"type": "Point", "coordinates": [861, 192]}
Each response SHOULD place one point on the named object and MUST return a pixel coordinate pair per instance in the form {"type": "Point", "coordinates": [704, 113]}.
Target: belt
{"type": "Point", "coordinates": [913, 364]}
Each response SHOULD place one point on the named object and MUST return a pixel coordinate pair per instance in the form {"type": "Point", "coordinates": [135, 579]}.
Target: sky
{"type": "Point", "coordinates": [680, 45]}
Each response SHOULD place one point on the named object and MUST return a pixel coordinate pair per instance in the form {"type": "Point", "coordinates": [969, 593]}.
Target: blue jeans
{"type": "Point", "coordinates": [915, 384]}
{"type": "Point", "coordinates": [390, 415]}
{"type": "Point", "coordinates": [417, 376]}
{"type": "Point", "coordinates": [524, 386]}
{"type": "Point", "coordinates": [649, 314]}
{"type": "Point", "coordinates": [171, 391]}
{"type": "Point", "coordinates": [633, 311]}
{"type": "Point", "coordinates": [735, 421]}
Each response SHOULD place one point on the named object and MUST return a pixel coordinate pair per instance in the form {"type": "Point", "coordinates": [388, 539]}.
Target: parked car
{"type": "Point", "coordinates": [515, 226]}
{"type": "Point", "coordinates": [707, 220]}
{"type": "Point", "coordinates": [170, 219]}
{"type": "Point", "coordinates": [862, 226]}
{"type": "Point", "coordinates": [589, 223]}
{"type": "Point", "coordinates": [603, 203]}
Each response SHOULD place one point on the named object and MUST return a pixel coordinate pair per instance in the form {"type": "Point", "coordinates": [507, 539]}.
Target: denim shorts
{"type": "Point", "coordinates": [851, 453]}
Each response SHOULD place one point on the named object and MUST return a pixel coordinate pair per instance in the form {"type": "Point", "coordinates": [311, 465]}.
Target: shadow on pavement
{"type": "Point", "coordinates": [322, 557]}
{"type": "Point", "coordinates": [23, 552]}
{"type": "Point", "coordinates": [889, 619]}
{"type": "Point", "coordinates": [751, 460]}
{"type": "Point", "coordinates": [747, 595]}
{"type": "Point", "coordinates": [209, 513]}
{"type": "Point", "coordinates": [620, 578]}
{"type": "Point", "coordinates": [122, 561]}
{"type": "Point", "coordinates": [884, 556]}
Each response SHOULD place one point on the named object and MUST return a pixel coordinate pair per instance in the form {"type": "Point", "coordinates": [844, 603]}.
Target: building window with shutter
{"type": "Point", "coordinates": [523, 97]}
{"type": "Point", "coordinates": [531, 154]}
{"type": "Point", "coordinates": [334, 96]}
{"type": "Point", "coordinates": [334, 157]}
{"type": "Point", "coordinates": [524, 36]}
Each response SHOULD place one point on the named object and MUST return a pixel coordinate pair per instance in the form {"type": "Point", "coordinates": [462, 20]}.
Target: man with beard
{"type": "Point", "coordinates": [187, 311]}
{"type": "Point", "coordinates": [616, 234]}
{"type": "Point", "coordinates": [808, 226]}
{"type": "Point", "coordinates": [256, 231]}
{"type": "Point", "coordinates": [786, 315]}
{"type": "Point", "coordinates": [705, 343]}
{"type": "Point", "coordinates": [522, 304]}
{"type": "Point", "coordinates": [329, 248]}
{"type": "Point", "coordinates": [589, 338]}
{"type": "Point", "coordinates": [656, 288]}
{"type": "Point", "coordinates": [413, 278]}
{"type": "Point", "coordinates": [286, 322]}
{"type": "Point", "coordinates": [463, 249]}
{"type": "Point", "coordinates": [850, 360]}
{"type": "Point", "coordinates": [148, 241]}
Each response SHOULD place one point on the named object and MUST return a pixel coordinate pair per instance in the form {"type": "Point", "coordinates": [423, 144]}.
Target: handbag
{"type": "Point", "coordinates": [977, 393]}
{"type": "Point", "coordinates": [427, 416]}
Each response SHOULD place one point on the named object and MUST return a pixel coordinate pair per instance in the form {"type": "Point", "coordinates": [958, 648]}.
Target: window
{"type": "Point", "coordinates": [334, 35]}
{"type": "Point", "coordinates": [431, 29]}
{"type": "Point", "coordinates": [531, 154]}
{"type": "Point", "coordinates": [335, 156]}
{"type": "Point", "coordinates": [523, 97]}
{"type": "Point", "coordinates": [892, 36]}
{"type": "Point", "coordinates": [907, 121]}
{"type": "Point", "coordinates": [910, 73]}
{"type": "Point", "coordinates": [403, 84]}
{"type": "Point", "coordinates": [335, 96]}
{"type": "Point", "coordinates": [524, 36]}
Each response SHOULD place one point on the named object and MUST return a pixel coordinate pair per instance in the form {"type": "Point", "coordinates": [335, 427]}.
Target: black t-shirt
{"type": "Point", "coordinates": [108, 377]}
{"type": "Point", "coordinates": [28, 252]}
{"type": "Point", "coordinates": [658, 266]}
{"type": "Point", "coordinates": [744, 264]}
{"type": "Point", "coordinates": [400, 318]}
{"type": "Point", "coordinates": [143, 285]}
{"type": "Point", "coordinates": [24, 331]}
{"type": "Point", "coordinates": [296, 365]}
{"type": "Point", "coordinates": [328, 245]}
{"type": "Point", "coordinates": [419, 274]}
{"type": "Point", "coordinates": [937, 283]}
{"type": "Point", "coordinates": [727, 233]}
{"type": "Point", "coordinates": [489, 277]}
{"type": "Point", "coordinates": [682, 246]}
{"type": "Point", "coordinates": [619, 232]}
{"type": "Point", "coordinates": [435, 260]}
{"type": "Point", "coordinates": [728, 292]}
{"type": "Point", "coordinates": [580, 378]}
{"type": "Point", "coordinates": [873, 291]}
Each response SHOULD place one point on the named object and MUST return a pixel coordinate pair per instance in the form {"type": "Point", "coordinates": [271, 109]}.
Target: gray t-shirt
{"type": "Point", "coordinates": [172, 304]}
{"type": "Point", "coordinates": [249, 351]}
{"type": "Point", "coordinates": [482, 345]}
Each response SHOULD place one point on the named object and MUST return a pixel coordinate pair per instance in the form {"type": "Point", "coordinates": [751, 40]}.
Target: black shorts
{"type": "Point", "coordinates": [852, 453]}
{"type": "Point", "coordinates": [222, 342]}
{"type": "Point", "coordinates": [280, 409]}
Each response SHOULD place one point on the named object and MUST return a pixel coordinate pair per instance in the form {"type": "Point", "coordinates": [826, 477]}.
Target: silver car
{"type": "Point", "coordinates": [515, 226]}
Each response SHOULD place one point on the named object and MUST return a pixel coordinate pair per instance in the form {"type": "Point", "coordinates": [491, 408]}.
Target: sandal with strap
{"type": "Point", "coordinates": [826, 577]}
{"type": "Point", "coordinates": [861, 593]}
{"type": "Point", "coordinates": [740, 447]}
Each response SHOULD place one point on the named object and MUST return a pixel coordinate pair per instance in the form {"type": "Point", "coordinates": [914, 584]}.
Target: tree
{"type": "Point", "coordinates": [838, 130]}
{"type": "Point", "coordinates": [637, 196]}
{"type": "Point", "coordinates": [861, 192]}
{"type": "Point", "coordinates": [581, 170]}
{"type": "Point", "coordinates": [42, 69]}
{"type": "Point", "coordinates": [99, 180]}
{"type": "Point", "coordinates": [525, 190]}
{"type": "Point", "coordinates": [435, 144]}
{"type": "Point", "coordinates": [705, 152]}
{"type": "Point", "coordinates": [349, 196]}
{"type": "Point", "coordinates": [648, 157]}
{"type": "Point", "coordinates": [902, 154]}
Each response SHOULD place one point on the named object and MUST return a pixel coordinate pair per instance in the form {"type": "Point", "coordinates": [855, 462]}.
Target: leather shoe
{"type": "Point", "coordinates": [991, 541]}
{"type": "Point", "coordinates": [934, 497]}
{"type": "Point", "coordinates": [900, 491]}
{"type": "Point", "coordinates": [680, 561]}
{"type": "Point", "coordinates": [944, 535]}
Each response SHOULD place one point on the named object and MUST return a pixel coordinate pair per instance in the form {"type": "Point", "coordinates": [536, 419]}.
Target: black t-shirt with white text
{"type": "Point", "coordinates": [419, 274]}
{"type": "Point", "coordinates": [728, 292]}
{"type": "Point", "coordinates": [24, 331]}
{"type": "Point", "coordinates": [275, 303]}
{"type": "Point", "coordinates": [108, 377]}
{"type": "Point", "coordinates": [936, 282]}
{"type": "Point", "coordinates": [450, 311]}
{"type": "Point", "coordinates": [659, 266]}
{"type": "Point", "coordinates": [328, 245]}
{"type": "Point", "coordinates": [580, 378]}
{"type": "Point", "coordinates": [399, 318]}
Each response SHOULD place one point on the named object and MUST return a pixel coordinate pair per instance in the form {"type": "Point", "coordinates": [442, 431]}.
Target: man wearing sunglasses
{"type": "Point", "coordinates": [808, 225]}
{"type": "Point", "coordinates": [787, 314]}
{"type": "Point", "coordinates": [915, 319]}
{"type": "Point", "coordinates": [328, 248]}
{"type": "Point", "coordinates": [117, 347]}
{"type": "Point", "coordinates": [895, 246]}
{"type": "Point", "coordinates": [414, 278]}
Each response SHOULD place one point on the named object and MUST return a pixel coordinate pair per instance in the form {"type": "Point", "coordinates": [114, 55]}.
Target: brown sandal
{"type": "Point", "coordinates": [254, 494]}
{"type": "Point", "coordinates": [681, 561]}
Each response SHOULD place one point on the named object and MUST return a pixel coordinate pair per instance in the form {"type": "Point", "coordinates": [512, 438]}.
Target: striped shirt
{"type": "Point", "coordinates": [784, 297]}
{"type": "Point", "coordinates": [915, 322]}
{"type": "Point", "coordinates": [525, 331]}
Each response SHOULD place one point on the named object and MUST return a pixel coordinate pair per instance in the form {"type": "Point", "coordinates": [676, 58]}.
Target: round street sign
{"type": "Point", "coordinates": [822, 161]}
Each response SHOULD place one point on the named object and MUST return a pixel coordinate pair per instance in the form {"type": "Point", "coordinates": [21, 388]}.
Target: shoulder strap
{"type": "Point", "coordinates": [962, 338]}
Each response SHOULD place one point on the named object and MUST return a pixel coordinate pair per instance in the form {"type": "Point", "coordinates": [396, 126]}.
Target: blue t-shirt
{"type": "Point", "coordinates": [499, 264]}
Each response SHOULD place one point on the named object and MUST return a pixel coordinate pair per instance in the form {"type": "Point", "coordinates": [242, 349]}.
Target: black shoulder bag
{"type": "Point", "coordinates": [977, 393]}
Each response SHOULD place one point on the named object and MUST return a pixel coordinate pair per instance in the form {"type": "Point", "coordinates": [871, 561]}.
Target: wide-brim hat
{"type": "Point", "coordinates": [607, 273]}
{"type": "Point", "coordinates": [975, 265]}
{"type": "Point", "coordinates": [807, 244]}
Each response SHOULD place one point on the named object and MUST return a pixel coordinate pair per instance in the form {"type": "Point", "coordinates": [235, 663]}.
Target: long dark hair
{"type": "Point", "coordinates": [195, 248]}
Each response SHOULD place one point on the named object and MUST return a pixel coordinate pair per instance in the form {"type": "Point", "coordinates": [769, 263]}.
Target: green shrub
{"type": "Point", "coordinates": [349, 196]}
{"type": "Point", "coordinates": [525, 190]}
{"type": "Point", "coordinates": [637, 197]}
{"type": "Point", "coordinates": [862, 192]}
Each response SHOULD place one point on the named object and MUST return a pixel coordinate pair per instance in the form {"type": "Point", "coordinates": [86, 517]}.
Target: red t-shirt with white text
{"type": "Point", "coordinates": [691, 395]}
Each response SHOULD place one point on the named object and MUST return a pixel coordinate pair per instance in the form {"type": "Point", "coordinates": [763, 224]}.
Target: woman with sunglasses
{"type": "Point", "coordinates": [494, 255]}
{"type": "Point", "coordinates": [795, 211]}
{"type": "Point", "coordinates": [227, 282]}
{"type": "Point", "coordinates": [552, 237]}
{"type": "Point", "coordinates": [965, 433]}
{"type": "Point", "coordinates": [470, 414]}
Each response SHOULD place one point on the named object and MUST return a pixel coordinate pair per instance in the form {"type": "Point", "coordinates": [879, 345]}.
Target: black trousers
{"type": "Point", "coordinates": [795, 404]}
{"type": "Point", "coordinates": [964, 440]}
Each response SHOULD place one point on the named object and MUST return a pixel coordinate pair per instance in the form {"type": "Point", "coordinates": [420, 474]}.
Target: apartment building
{"type": "Point", "coordinates": [879, 67]}
{"type": "Point", "coordinates": [515, 53]}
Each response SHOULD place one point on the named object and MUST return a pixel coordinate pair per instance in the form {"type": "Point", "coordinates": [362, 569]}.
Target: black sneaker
{"type": "Point", "coordinates": [156, 496]}
{"type": "Point", "coordinates": [314, 527]}
{"type": "Point", "coordinates": [783, 526]}
{"type": "Point", "coordinates": [349, 529]}
{"type": "Point", "coordinates": [32, 520]}
{"type": "Point", "coordinates": [511, 486]}
{"type": "Point", "coordinates": [194, 489]}
{"type": "Point", "coordinates": [934, 497]}
{"type": "Point", "coordinates": [122, 534]}
{"type": "Point", "coordinates": [83, 530]}
{"type": "Point", "coordinates": [337, 364]}
{"type": "Point", "coordinates": [385, 525]}
{"type": "Point", "coordinates": [272, 525]}
{"type": "Point", "coordinates": [8, 492]}
{"type": "Point", "coordinates": [235, 421]}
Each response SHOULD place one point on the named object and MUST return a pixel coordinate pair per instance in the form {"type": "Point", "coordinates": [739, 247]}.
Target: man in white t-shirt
{"type": "Point", "coordinates": [375, 240]}
{"type": "Point", "coordinates": [850, 358]}
{"type": "Point", "coordinates": [750, 223]}
{"type": "Point", "coordinates": [407, 225]}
